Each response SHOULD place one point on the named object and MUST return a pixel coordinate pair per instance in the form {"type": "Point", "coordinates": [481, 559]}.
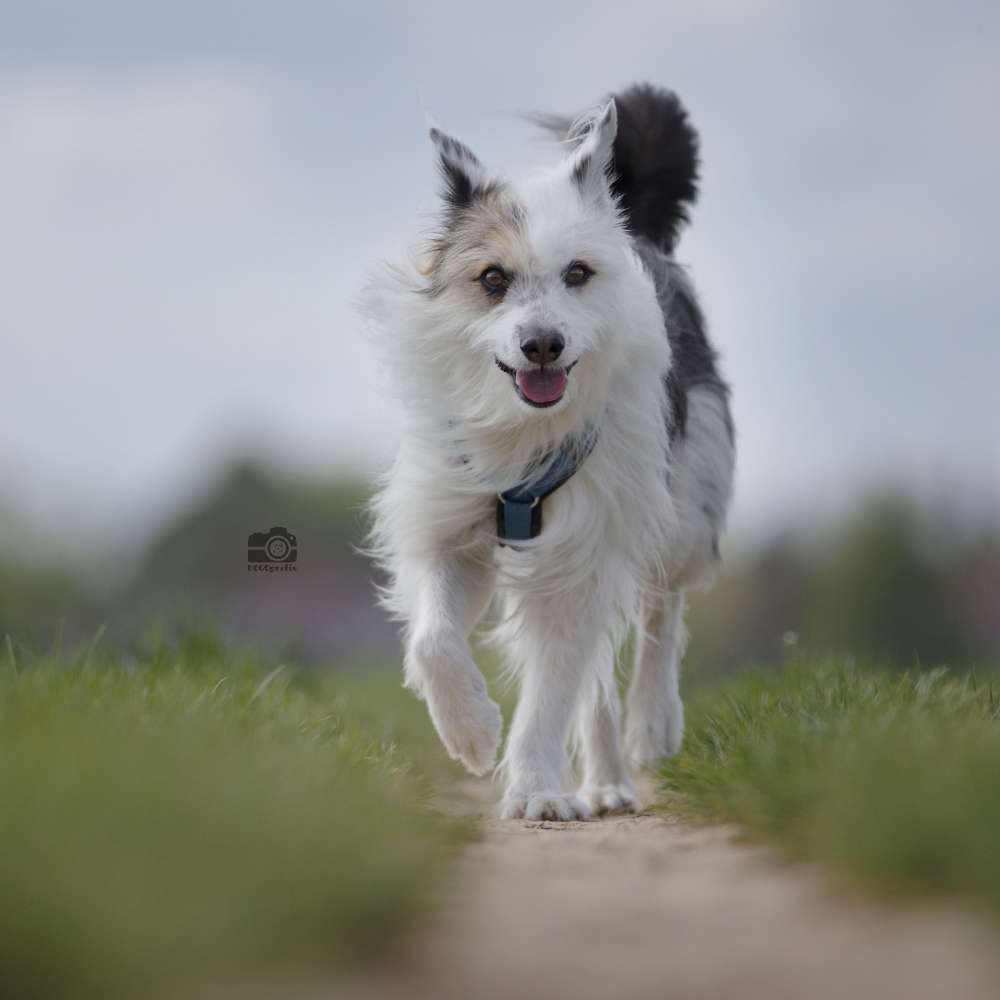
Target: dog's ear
{"type": "Point", "coordinates": [593, 157]}
{"type": "Point", "coordinates": [464, 177]}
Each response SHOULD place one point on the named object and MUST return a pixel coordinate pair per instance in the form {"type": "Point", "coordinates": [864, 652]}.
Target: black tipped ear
{"type": "Point", "coordinates": [464, 176]}
{"type": "Point", "coordinates": [593, 157]}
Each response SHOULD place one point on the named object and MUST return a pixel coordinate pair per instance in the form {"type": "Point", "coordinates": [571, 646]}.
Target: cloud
{"type": "Point", "coordinates": [181, 133]}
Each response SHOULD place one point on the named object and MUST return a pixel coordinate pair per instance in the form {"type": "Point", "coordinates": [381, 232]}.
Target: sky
{"type": "Point", "coordinates": [192, 194]}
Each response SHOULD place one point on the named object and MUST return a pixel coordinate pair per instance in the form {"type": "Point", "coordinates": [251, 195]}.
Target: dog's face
{"type": "Point", "coordinates": [533, 276]}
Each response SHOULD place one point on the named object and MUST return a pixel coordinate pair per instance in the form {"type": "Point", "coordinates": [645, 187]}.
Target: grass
{"type": "Point", "coordinates": [893, 778]}
{"type": "Point", "coordinates": [197, 818]}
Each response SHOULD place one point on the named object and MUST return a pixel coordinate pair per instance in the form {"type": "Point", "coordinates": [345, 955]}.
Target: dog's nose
{"type": "Point", "coordinates": [542, 347]}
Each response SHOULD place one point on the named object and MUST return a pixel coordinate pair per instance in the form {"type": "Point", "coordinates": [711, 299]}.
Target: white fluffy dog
{"type": "Point", "coordinates": [567, 453]}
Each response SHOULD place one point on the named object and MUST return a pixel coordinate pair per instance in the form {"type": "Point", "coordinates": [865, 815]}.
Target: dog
{"type": "Point", "coordinates": [566, 457]}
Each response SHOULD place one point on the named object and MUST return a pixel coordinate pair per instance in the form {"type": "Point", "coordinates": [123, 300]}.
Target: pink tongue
{"type": "Point", "coordinates": [542, 385]}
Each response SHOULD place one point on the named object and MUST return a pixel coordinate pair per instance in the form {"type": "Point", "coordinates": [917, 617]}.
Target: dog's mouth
{"type": "Point", "coordinates": [543, 385]}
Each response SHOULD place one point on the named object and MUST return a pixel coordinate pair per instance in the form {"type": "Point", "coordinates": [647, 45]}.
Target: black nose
{"type": "Point", "coordinates": [542, 347]}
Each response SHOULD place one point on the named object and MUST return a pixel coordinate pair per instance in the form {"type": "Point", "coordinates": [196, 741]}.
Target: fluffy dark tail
{"type": "Point", "coordinates": [655, 161]}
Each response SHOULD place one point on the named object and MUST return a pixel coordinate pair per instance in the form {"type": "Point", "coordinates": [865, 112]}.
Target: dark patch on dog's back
{"type": "Point", "coordinates": [695, 361]}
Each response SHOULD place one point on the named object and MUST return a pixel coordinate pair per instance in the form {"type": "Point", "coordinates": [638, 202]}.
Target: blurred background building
{"type": "Point", "coordinates": [192, 194]}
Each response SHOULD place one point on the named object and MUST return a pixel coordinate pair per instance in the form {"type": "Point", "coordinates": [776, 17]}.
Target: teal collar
{"type": "Point", "coordinates": [519, 509]}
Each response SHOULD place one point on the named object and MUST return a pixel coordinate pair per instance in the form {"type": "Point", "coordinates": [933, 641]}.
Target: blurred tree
{"type": "Point", "coordinates": [892, 583]}
{"type": "Point", "coordinates": [879, 593]}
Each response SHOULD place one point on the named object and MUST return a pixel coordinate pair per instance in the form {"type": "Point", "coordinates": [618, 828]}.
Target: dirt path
{"type": "Point", "coordinates": [642, 907]}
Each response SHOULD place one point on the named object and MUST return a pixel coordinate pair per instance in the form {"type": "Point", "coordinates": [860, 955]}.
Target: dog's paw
{"type": "Point", "coordinates": [648, 740]}
{"type": "Point", "coordinates": [467, 720]}
{"type": "Point", "coordinates": [603, 800]}
{"type": "Point", "coordinates": [543, 805]}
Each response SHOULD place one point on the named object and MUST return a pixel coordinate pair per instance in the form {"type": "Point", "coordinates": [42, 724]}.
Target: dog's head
{"type": "Point", "coordinates": [531, 280]}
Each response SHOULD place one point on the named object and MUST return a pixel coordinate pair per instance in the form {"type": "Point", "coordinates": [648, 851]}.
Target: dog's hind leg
{"type": "Point", "coordinates": [450, 594]}
{"type": "Point", "coordinates": [606, 786]}
{"type": "Point", "coordinates": [655, 723]}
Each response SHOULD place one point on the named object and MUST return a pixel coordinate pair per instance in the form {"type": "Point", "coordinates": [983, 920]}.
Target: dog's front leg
{"type": "Point", "coordinates": [606, 786]}
{"type": "Point", "coordinates": [450, 593]}
{"type": "Point", "coordinates": [536, 766]}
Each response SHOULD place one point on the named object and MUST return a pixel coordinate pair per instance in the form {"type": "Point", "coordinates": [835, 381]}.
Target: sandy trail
{"type": "Point", "coordinates": [644, 907]}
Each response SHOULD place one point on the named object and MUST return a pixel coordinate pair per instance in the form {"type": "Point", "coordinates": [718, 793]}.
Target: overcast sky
{"type": "Point", "coordinates": [191, 195]}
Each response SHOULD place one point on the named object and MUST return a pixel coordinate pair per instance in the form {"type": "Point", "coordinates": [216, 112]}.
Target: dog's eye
{"type": "Point", "coordinates": [494, 280]}
{"type": "Point", "coordinates": [577, 274]}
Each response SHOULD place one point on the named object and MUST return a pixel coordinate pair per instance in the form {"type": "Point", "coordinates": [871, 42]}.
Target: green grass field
{"type": "Point", "coordinates": [198, 817]}
{"type": "Point", "coordinates": [893, 778]}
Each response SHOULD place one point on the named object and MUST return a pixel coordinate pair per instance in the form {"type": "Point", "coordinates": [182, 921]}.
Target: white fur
{"type": "Point", "coordinates": [613, 535]}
